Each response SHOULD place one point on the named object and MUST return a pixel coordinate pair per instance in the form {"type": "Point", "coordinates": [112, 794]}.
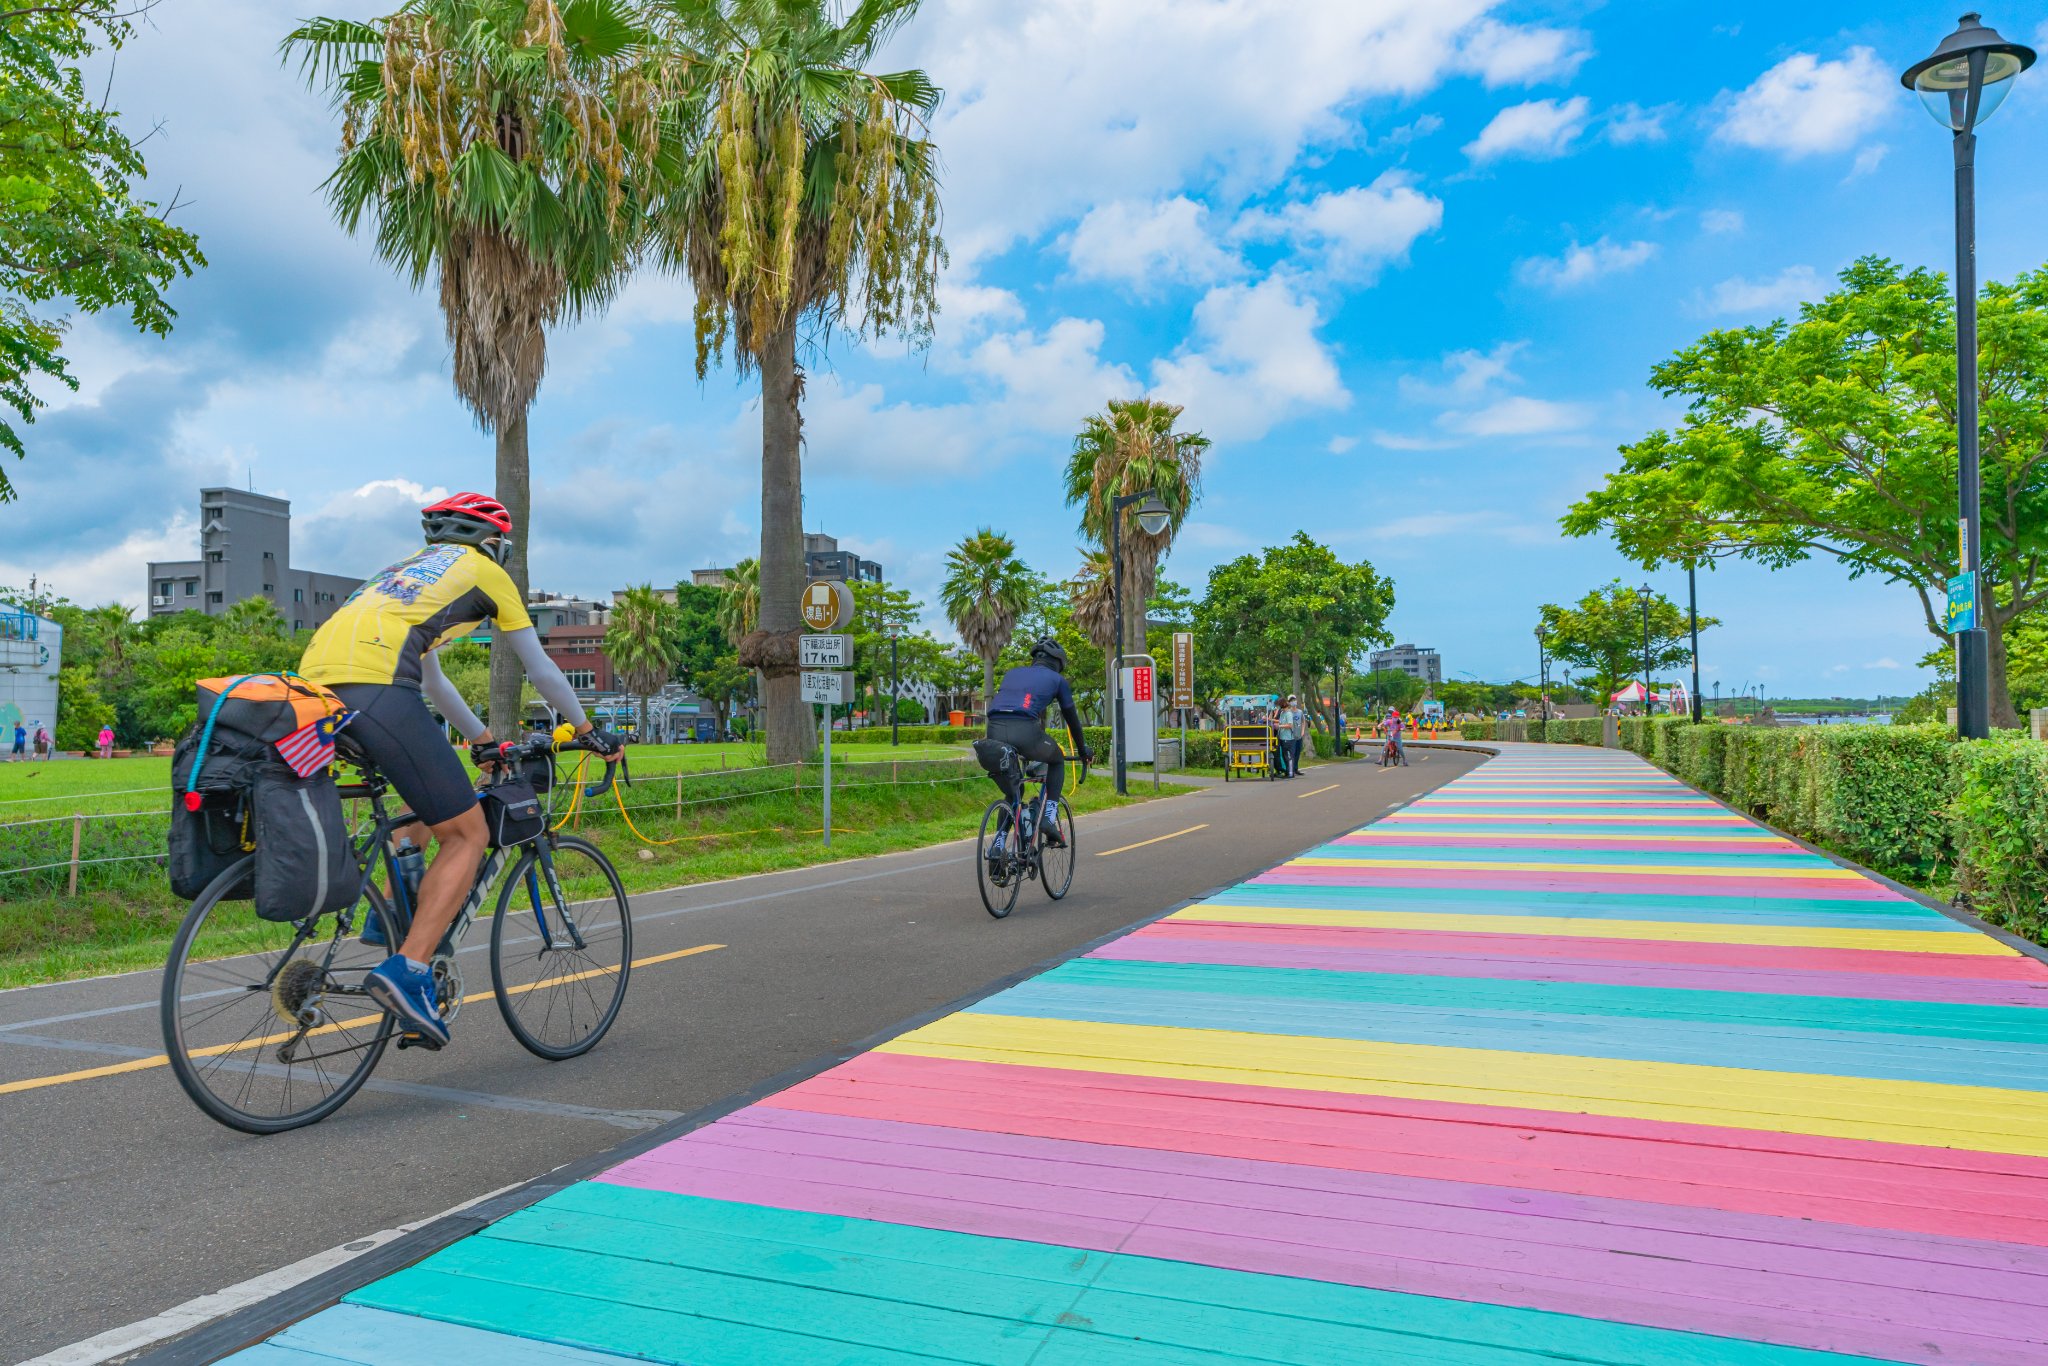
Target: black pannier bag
{"type": "Point", "coordinates": [513, 812]}
{"type": "Point", "coordinates": [1001, 762]}
{"type": "Point", "coordinates": [304, 863]}
{"type": "Point", "coordinates": [210, 827]}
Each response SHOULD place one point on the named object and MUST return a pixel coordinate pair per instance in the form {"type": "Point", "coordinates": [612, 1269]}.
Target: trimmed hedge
{"type": "Point", "coordinates": [2000, 831]}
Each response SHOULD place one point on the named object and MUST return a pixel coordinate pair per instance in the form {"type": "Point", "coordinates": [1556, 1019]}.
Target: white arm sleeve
{"type": "Point", "coordinates": [442, 694]}
{"type": "Point", "coordinates": [533, 657]}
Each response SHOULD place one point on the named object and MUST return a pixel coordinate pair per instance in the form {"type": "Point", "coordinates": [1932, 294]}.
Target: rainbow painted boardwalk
{"type": "Point", "coordinates": [1563, 1062]}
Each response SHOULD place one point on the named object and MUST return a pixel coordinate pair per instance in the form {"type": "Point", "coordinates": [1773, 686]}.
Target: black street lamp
{"type": "Point", "coordinates": [1153, 516]}
{"type": "Point", "coordinates": [1542, 677]}
{"type": "Point", "coordinates": [1692, 607]}
{"type": "Point", "coordinates": [895, 690]}
{"type": "Point", "coordinates": [1643, 594]}
{"type": "Point", "coordinates": [1967, 77]}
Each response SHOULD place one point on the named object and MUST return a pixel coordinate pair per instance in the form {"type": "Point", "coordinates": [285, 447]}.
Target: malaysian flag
{"type": "Point", "coordinates": [310, 748]}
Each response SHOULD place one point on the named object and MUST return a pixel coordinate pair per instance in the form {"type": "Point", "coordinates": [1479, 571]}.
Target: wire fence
{"type": "Point", "coordinates": [113, 850]}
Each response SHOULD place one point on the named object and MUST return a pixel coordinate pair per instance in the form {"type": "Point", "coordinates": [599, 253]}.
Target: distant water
{"type": "Point", "coordinates": [1882, 718]}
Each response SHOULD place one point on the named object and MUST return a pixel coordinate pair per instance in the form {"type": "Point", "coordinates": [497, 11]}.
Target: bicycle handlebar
{"type": "Point", "coordinates": [547, 746]}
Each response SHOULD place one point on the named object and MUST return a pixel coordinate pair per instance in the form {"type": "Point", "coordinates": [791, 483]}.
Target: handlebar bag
{"type": "Point", "coordinates": [304, 863]}
{"type": "Point", "coordinates": [513, 812]}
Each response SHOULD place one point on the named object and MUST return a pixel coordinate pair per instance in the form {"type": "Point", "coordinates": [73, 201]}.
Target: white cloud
{"type": "Point", "coordinates": [1060, 105]}
{"type": "Point", "coordinates": [1887, 662]}
{"type": "Point", "coordinates": [1471, 373]}
{"type": "Point", "coordinates": [1518, 415]}
{"type": "Point", "coordinates": [1539, 129]}
{"type": "Point", "coordinates": [1047, 379]}
{"type": "Point", "coordinates": [1509, 54]}
{"type": "Point", "coordinates": [1582, 265]}
{"type": "Point", "coordinates": [1790, 286]}
{"type": "Point", "coordinates": [1354, 231]}
{"type": "Point", "coordinates": [1722, 221]}
{"type": "Point", "coordinates": [1258, 361]}
{"type": "Point", "coordinates": [1628, 124]}
{"type": "Point", "coordinates": [1340, 445]}
{"type": "Point", "coordinates": [1867, 160]}
{"type": "Point", "coordinates": [1167, 241]}
{"type": "Point", "coordinates": [966, 309]}
{"type": "Point", "coordinates": [114, 572]}
{"type": "Point", "coordinates": [1467, 526]}
{"type": "Point", "coordinates": [1402, 441]}
{"type": "Point", "coordinates": [1407, 133]}
{"type": "Point", "coordinates": [1803, 106]}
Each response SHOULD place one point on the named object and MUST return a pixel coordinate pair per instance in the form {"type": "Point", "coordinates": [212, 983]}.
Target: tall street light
{"type": "Point", "coordinates": [1643, 594]}
{"type": "Point", "coordinates": [1542, 677]}
{"type": "Point", "coordinates": [895, 689]}
{"type": "Point", "coordinates": [1692, 607]}
{"type": "Point", "coordinates": [1153, 515]}
{"type": "Point", "coordinates": [1968, 76]}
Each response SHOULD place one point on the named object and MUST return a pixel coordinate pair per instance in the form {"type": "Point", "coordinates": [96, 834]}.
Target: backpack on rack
{"type": "Point", "coordinates": [235, 795]}
{"type": "Point", "coordinates": [1002, 763]}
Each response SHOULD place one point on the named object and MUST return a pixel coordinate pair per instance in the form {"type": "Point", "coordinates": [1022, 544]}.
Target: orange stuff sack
{"type": "Point", "coordinates": [266, 706]}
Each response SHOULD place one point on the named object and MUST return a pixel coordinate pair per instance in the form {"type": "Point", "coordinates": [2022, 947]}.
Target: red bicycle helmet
{"type": "Point", "coordinates": [470, 519]}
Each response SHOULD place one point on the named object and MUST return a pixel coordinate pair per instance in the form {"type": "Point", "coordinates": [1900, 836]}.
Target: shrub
{"type": "Point", "coordinates": [1881, 794]}
{"type": "Point", "coordinates": [1999, 830]}
{"type": "Point", "coordinates": [1205, 749]}
{"type": "Point", "coordinates": [1476, 730]}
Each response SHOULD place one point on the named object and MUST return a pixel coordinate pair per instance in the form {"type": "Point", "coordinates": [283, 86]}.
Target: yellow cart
{"type": "Point", "coordinates": [1251, 748]}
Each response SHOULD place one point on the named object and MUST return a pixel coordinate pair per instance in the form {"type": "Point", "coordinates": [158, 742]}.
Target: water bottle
{"type": "Point", "coordinates": [412, 865]}
{"type": "Point", "coordinates": [1030, 825]}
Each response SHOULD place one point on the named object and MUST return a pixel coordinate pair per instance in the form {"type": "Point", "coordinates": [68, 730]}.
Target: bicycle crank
{"type": "Point", "coordinates": [447, 987]}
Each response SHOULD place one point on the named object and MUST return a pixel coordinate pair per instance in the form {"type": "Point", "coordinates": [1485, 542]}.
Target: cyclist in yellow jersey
{"type": "Point", "coordinates": [377, 654]}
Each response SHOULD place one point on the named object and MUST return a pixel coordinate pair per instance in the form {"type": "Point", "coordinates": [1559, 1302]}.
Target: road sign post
{"type": "Point", "coordinates": [826, 606]}
{"type": "Point", "coordinates": [1183, 699]}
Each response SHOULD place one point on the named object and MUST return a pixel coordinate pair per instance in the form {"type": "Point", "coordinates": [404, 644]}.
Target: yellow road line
{"type": "Point", "coordinates": [1319, 791]}
{"type": "Point", "coordinates": [161, 1060]}
{"type": "Point", "coordinates": [1125, 849]}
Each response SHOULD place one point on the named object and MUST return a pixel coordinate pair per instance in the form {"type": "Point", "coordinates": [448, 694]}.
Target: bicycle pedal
{"type": "Point", "coordinates": [418, 1041]}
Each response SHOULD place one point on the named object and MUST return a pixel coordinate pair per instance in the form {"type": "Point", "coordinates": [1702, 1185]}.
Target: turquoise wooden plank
{"type": "Point", "coordinates": [2011, 1024]}
{"type": "Point", "coordinates": [1509, 902]}
{"type": "Point", "coordinates": [1955, 1062]}
{"type": "Point", "coordinates": [350, 1333]}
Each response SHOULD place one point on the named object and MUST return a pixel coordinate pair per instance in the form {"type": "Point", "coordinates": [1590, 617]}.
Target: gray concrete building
{"type": "Point", "coordinates": [1412, 660]}
{"type": "Point", "coordinates": [245, 544]}
{"type": "Point", "coordinates": [823, 559]}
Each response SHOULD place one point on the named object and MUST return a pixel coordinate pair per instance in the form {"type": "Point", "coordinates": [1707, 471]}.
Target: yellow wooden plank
{"type": "Point", "coordinates": [1676, 931]}
{"type": "Point", "coordinates": [1977, 1118]}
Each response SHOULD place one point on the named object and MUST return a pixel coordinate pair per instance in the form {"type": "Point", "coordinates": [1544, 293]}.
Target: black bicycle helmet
{"type": "Point", "coordinates": [1051, 651]}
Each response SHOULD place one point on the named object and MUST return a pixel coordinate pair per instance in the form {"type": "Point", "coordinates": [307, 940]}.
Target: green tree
{"type": "Point", "coordinates": [81, 709]}
{"type": "Point", "coordinates": [253, 617]}
{"type": "Point", "coordinates": [74, 225]}
{"type": "Point", "coordinates": [878, 609]}
{"type": "Point", "coordinates": [1835, 436]}
{"type": "Point", "coordinates": [804, 188]}
{"type": "Point", "coordinates": [493, 143]}
{"type": "Point", "coordinates": [1383, 688]}
{"type": "Point", "coordinates": [739, 601]}
{"type": "Point", "coordinates": [1128, 448]}
{"type": "Point", "coordinates": [641, 644]}
{"type": "Point", "coordinates": [706, 657]}
{"type": "Point", "coordinates": [1270, 614]}
{"type": "Point", "coordinates": [1602, 634]}
{"type": "Point", "coordinates": [985, 593]}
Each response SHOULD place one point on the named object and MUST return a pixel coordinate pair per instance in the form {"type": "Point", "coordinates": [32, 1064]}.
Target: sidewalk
{"type": "Point", "coordinates": [1561, 1062]}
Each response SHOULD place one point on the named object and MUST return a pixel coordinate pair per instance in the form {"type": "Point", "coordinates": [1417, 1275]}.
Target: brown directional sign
{"type": "Point", "coordinates": [827, 605]}
{"type": "Point", "coordinates": [1183, 670]}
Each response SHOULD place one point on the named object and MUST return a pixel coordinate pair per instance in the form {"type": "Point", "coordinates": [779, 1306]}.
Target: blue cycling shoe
{"type": "Point", "coordinates": [408, 992]}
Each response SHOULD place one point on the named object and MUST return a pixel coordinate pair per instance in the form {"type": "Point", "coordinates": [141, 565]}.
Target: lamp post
{"type": "Point", "coordinates": [1153, 516]}
{"type": "Point", "coordinates": [1968, 76]}
{"type": "Point", "coordinates": [1643, 594]}
{"type": "Point", "coordinates": [895, 689]}
{"type": "Point", "coordinates": [1542, 677]}
{"type": "Point", "coordinates": [1692, 608]}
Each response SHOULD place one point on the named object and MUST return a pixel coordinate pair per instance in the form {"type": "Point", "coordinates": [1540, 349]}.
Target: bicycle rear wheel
{"type": "Point", "coordinates": [561, 948]}
{"type": "Point", "coordinates": [996, 874]}
{"type": "Point", "coordinates": [1056, 861]}
{"type": "Point", "coordinates": [281, 1036]}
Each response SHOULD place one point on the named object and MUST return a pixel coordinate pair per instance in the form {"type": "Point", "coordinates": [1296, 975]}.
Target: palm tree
{"type": "Point", "coordinates": [739, 606]}
{"type": "Point", "coordinates": [1089, 594]}
{"type": "Point", "coordinates": [253, 617]}
{"type": "Point", "coordinates": [493, 142]}
{"type": "Point", "coordinates": [986, 590]}
{"type": "Point", "coordinates": [805, 190]}
{"type": "Point", "coordinates": [1130, 448]}
{"type": "Point", "coordinates": [641, 644]}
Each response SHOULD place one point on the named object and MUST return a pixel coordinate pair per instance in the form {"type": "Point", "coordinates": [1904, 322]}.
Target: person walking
{"type": "Point", "coordinates": [20, 752]}
{"type": "Point", "coordinates": [42, 742]}
{"type": "Point", "coordinates": [106, 739]}
{"type": "Point", "coordinates": [1291, 723]}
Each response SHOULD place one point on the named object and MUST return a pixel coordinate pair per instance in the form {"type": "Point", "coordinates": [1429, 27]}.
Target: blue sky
{"type": "Point", "coordinates": [1408, 266]}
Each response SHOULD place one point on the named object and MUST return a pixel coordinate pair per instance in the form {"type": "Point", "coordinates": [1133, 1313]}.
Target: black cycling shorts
{"type": "Point", "coordinates": [1026, 735]}
{"type": "Point", "coordinates": [393, 726]}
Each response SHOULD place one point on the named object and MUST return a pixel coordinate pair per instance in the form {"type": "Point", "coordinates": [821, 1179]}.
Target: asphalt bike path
{"type": "Point", "coordinates": [122, 1203]}
{"type": "Point", "coordinates": [1563, 1061]}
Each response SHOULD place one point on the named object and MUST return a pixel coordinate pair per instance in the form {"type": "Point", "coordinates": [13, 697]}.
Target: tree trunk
{"type": "Point", "coordinates": [792, 730]}
{"type": "Point", "coordinates": [1294, 662]}
{"type": "Point", "coordinates": [988, 684]}
{"type": "Point", "coordinates": [2004, 716]}
{"type": "Point", "coordinates": [506, 676]}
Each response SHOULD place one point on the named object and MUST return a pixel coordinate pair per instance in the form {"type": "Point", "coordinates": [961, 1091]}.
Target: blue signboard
{"type": "Point", "coordinates": [1962, 603]}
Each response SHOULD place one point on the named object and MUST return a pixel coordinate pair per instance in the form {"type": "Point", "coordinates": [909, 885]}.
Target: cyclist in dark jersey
{"type": "Point", "coordinates": [1016, 714]}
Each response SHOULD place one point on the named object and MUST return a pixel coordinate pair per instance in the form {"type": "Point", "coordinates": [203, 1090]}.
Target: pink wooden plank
{"type": "Point", "coordinates": [1523, 880]}
{"type": "Point", "coordinates": [1151, 949]}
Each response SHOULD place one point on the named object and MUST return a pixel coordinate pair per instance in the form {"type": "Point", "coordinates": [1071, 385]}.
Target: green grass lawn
{"type": "Point", "coordinates": [727, 825]}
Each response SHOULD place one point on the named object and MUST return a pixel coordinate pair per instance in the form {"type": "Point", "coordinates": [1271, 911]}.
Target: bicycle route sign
{"type": "Point", "coordinates": [826, 651]}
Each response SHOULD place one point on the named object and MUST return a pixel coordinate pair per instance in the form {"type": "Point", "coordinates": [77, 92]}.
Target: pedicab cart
{"type": "Point", "coordinates": [1250, 746]}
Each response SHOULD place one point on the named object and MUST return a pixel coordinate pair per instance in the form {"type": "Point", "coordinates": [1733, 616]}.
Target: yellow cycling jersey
{"type": "Point", "coordinates": [380, 634]}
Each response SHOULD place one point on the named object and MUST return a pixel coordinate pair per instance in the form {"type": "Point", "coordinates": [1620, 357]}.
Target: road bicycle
{"type": "Point", "coordinates": [281, 1037]}
{"type": "Point", "coordinates": [1003, 863]}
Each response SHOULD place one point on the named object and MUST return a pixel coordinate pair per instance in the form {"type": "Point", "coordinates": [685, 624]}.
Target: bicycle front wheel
{"type": "Point", "coordinates": [280, 1037]}
{"type": "Point", "coordinates": [996, 872]}
{"type": "Point", "coordinates": [561, 948]}
{"type": "Point", "coordinates": [1056, 861]}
